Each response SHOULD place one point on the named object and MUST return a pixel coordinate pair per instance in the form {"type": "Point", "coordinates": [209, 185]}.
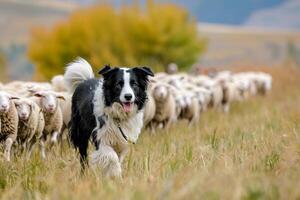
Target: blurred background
{"type": "Point", "coordinates": [39, 37]}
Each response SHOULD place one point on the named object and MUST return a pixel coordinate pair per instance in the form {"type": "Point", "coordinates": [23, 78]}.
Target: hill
{"type": "Point", "coordinates": [236, 46]}
{"type": "Point", "coordinates": [18, 17]}
{"type": "Point", "coordinates": [284, 16]}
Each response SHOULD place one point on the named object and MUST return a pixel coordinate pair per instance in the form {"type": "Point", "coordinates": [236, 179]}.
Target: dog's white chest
{"type": "Point", "coordinates": [121, 133]}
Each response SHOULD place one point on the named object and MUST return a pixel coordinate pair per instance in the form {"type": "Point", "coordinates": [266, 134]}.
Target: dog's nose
{"type": "Point", "coordinates": [128, 97]}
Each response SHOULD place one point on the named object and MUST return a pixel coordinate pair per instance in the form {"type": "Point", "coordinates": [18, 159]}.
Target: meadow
{"type": "Point", "coordinates": [253, 152]}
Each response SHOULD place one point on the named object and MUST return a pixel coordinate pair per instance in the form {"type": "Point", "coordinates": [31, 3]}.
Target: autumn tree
{"type": "Point", "coordinates": [130, 36]}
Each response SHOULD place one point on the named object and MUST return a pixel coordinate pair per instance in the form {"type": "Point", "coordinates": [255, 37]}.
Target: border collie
{"type": "Point", "coordinates": [108, 110]}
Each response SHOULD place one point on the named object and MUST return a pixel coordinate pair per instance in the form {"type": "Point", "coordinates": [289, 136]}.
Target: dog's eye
{"type": "Point", "coordinates": [133, 83]}
{"type": "Point", "coordinates": [119, 85]}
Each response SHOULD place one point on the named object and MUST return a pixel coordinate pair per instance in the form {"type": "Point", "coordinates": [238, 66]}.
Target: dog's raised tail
{"type": "Point", "coordinates": [77, 72]}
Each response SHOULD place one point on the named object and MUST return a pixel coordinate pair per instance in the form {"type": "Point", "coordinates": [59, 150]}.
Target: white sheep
{"type": "Point", "coordinates": [150, 107]}
{"type": "Point", "coordinates": [65, 104]}
{"type": "Point", "coordinates": [31, 123]}
{"type": "Point", "coordinates": [191, 110]}
{"type": "Point", "coordinates": [165, 105]}
{"type": "Point", "coordinates": [21, 88]}
{"type": "Point", "coordinates": [58, 83]}
{"type": "Point", "coordinates": [48, 102]}
{"type": "Point", "coordinates": [229, 94]}
{"type": "Point", "coordinates": [263, 82]}
{"type": "Point", "coordinates": [8, 121]}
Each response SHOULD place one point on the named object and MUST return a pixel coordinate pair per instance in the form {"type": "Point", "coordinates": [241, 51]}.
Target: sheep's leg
{"type": "Point", "coordinates": [42, 146]}
{"type": "Point", "coordinates": [31, 146]}
{"type": "Point", "coordinates": [193, 120]}
{"type": "Point", "coordinates": [161, 125]}
{"type": "Point", "coordinates": [8, 144]}
{"type": "Point", "coordinates": [151, 127]}
{"type": "Point", "coordinates": [168, 123]}
{"type": "Point", "coordinates": [54, 137]}
{"type": "Point", "coordinates": [107, 159]}
{"type": "Point", "coordinates": [61, 137]}
{"type": "Point", "coordinates": [123, 154]}
{"type": "Point", "coordinates": [226, 108]}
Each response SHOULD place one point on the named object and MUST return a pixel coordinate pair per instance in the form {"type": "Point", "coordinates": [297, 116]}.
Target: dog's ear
{"type": "Point", "coordinates": [105, 69]}
{"type": "Point", "coordinates": [145, 70]}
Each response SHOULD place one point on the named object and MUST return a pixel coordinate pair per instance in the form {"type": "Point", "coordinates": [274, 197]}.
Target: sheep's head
{"type": "Point", "coordinates": [160, 92]}
{"type": "Point", "coordinates": [49, 100]}
{"type": "Point", "coordinates": [24, 108]}
{"type": "Point", "coordinates": [5, 101]}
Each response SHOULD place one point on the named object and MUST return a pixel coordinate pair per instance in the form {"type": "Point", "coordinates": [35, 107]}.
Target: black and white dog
{"type": "Point", "coordinates": [108, 110]}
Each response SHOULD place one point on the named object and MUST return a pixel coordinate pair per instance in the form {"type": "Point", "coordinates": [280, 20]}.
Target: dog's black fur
{"type": "Point", "coordinates": [83, 120]}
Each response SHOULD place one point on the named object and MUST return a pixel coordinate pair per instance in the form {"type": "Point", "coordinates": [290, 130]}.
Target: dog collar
{"type": "Point", "coordinates": [123, 134]}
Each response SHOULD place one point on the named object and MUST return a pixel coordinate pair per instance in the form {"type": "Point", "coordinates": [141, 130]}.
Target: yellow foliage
{"type": "Point", "coordinates": [154, 36]}
{"type": "Point", "coordinates": [3, 68]}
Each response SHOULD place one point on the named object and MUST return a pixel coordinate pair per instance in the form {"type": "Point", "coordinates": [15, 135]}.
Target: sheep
{"type": "Point", "coordinates": [191, 110]}
{"type": "Point", "coordinates": [21, 88]}
{"type": "Point", "coordinates": [66, 106]}
{"type": "Point", "coordinates": [58, 83]}
{"type": "Point", "coordinates": [165, 105]}
{"type": "Point", "coordinates": [216, 96]}
{"type": "Point", "coordinates": [229, 94]}
{"type": "Point", "coordinates": [263, 82]}
{"type": "Point", "coordinates": [48, 102]}
{"type": "Point", "coordinates": [9, 122]}
{"type": "Point", "coordinates": [204, 97]}
{"type": "Point", "coordinates": [31, 123]}
{"type": "Point", "coordinates": [180, 103]}
{"type": "Point", "coordinates": [150, 107]}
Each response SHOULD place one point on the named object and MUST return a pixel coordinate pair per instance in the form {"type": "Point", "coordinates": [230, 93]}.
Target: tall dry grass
{"type": "Point", "coordinates": [251, 153]}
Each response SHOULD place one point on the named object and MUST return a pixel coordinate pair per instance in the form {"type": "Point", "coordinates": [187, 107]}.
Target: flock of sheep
{"type": "Point", "coordinates": [33, 113]}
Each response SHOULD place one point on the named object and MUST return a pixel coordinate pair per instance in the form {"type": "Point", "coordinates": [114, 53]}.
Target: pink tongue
{"type": "Point", "coordinates": [127, 107]}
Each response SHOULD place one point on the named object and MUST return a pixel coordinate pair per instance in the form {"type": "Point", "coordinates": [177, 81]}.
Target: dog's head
{"type": "Point", "coordinates": [125, 86]}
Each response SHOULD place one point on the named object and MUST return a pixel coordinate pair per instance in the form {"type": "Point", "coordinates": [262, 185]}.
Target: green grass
{"type": "Point", "coordinates": [251, 153]}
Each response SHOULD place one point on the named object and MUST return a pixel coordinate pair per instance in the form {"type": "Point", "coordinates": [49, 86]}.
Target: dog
{"type": "Point", "coordinates": [108, 110]}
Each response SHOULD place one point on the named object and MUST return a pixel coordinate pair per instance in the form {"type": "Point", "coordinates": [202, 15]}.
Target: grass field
{"type": "Point", "coordinates": [251, 153]}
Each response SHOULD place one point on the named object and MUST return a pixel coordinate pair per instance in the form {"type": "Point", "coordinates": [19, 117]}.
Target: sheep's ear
{"type": "Point", "coordinates": [145, 70]}
{"type": "Point", "coordinates": [13, 97]}
{"type": "Point", "coordinates": [31, 90]}
{"type": "Point", "coordinates": [105, 69]}
{"type": "Point", "coordinates": [152, 80]}
{"type": "Point", "coordinates": [59, 96]}
{"type": "Point", "coordinates": [16, 102]}
{"type": "Point", "coordinates": [31, 105]}
{"type": "Point", "coordinates": [38, 94]}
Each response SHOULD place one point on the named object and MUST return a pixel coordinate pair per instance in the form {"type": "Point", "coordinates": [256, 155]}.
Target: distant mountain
{"type": "Point", "coordinates": [285, 15]}
{"type": "Point", "coordinates": [210, 11]}
{"type": "Point", "coordinates": [225, 11]}
{"type": "Point", "coordinates": [17, 17]}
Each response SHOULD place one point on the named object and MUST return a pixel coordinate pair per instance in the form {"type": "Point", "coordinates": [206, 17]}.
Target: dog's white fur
{"type": "Point", "coordinates": [126, 88]}
{"type": "Point", "coordinates": [112, 145]}
{"type": "Point", "coordinates": [76, 72]}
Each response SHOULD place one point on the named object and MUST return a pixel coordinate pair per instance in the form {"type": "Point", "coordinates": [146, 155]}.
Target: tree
{"type": "Point", "coordinates": [154, 36]}
{"type": "Point", "coordinates": [3, 68]}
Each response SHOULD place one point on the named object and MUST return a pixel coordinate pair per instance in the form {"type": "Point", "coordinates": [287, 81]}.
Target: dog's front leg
{"type": "Point", "coordinates": [123, 153]}
{"type": "Point", "coordinates": [107, 159]}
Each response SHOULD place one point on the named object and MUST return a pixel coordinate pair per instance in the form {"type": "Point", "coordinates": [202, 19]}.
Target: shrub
{"type": "Point", "coordinates": [3, 67]}
{"type": "Point", "coordinates": [154, 36]}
